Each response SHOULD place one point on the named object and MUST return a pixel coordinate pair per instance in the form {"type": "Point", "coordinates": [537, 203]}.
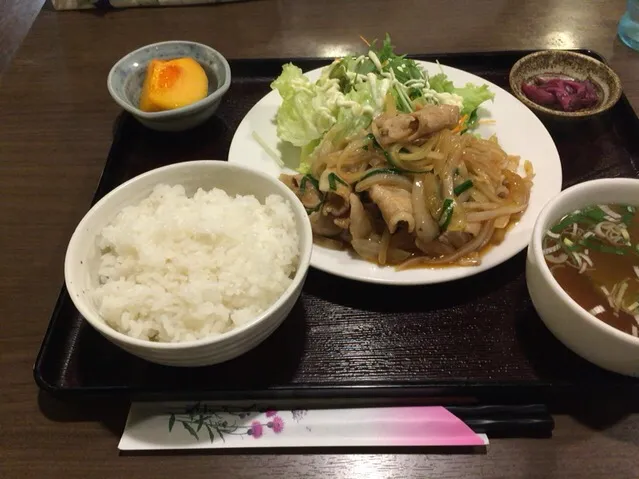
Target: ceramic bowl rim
{"type": "Point", "coordinates": [185, 110]}
{"type": "Point", "coordinates": [580, 190]}
{"type": "Point", "coordinates": [612, 100]}
{"type": "Point", "coordinates": [94, 318]}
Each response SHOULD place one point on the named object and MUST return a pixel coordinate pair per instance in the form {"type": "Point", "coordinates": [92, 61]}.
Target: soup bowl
{"type": "Point", "coordinates": [580, 331]}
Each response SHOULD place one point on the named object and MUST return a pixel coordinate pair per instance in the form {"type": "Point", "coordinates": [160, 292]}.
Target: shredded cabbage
{"type": "Point", "coordinates": [351, 91]}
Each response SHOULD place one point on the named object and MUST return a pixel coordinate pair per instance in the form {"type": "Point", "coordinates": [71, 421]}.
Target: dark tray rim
{"type": "Point", "coordinates": [429, 56]}
{"type": "Point", "coordinates": [450, 389]}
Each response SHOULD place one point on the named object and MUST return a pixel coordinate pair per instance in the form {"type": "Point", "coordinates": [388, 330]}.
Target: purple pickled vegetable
{"type": "Point", "coordinates": [561, 93]}
{"type": "Point", "coordinates": [538, 95]}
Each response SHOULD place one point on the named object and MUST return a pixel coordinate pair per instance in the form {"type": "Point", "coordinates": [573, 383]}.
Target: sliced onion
{"type": "Point", "coordinates": [562, 258]}
{"type": "Point", "coordinates": [457, 238]}
{"type": "Point", "coordinates": [619, 296]}
{"type": "Point", "coordinates": [323, 225]}
{"type": "Point", "coordinates": [613, 297]}
{"type": "Point", "coordinates": [587, 259]}
{"type": "Point", "coordinates": [426, 228]}
{"type": "Point", "coordinates": [552, 249]}
{"type": "Point", "coordinates": [329, 243]}
{"type": "Point", "coordinates": [502, 222]}
{"type": "Point", "coordinates": [386, 179]}
{"type": "Point", "coordinates": [369, 249]}
{"type": "Point", "coordinates": [597, 310]}
{"type": "Point", "coordinates": [599, 228]}
{"type": "Point", "coordinates": [474, 205]}
{"type": "Point", "coordinates": [578, 260]}
{"type": "Point", "coordinates": [471, 260]}
{"type": "Point", "coordinates": [434, 248]}
{"type": "Point", "coordinates": [609, 212]}
{"type": "Point", "coordinates": [489, 215]}
{"type": "Point", "coordinates": [397, 255]}
{"type": "Point", "coordinates": [474, 245]}
{"type": "Point", "coordinates": [472, 228]}
{"type": "Point", "coordinates": [360, 222]}
{"type": "Point", "coordinates": [383, 247]}
{"type": "Point", "coordinates": [366, 248]}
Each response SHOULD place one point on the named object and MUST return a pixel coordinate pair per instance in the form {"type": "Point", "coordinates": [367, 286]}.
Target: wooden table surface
{"type": "Point", "coordinates": [56, 120]}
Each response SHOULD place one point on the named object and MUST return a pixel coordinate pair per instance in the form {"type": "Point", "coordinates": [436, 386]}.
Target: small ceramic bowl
{"type": "Point", "coordinates": [579, 330]}
{"type": "Point", "coordinates": [126, 78]}
{"type": "Point", "coordinates": [572, 64]}
{"type": "Point", "coordinates": [82, 259]}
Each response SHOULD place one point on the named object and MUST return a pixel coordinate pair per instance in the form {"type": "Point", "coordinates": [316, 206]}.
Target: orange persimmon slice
{"type": "Point", "coordinates": [173, 84]}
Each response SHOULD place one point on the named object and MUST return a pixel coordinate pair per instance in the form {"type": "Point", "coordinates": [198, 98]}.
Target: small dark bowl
{"type": "Point", "coordinates": [575, 65]}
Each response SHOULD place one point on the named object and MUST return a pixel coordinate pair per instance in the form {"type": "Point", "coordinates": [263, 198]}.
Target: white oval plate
{"type": "Point", "coordinates": [519, 132]}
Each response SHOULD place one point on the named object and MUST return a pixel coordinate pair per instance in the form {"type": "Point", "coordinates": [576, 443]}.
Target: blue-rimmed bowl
{"type": "Point", "coordinates": [126, 78]}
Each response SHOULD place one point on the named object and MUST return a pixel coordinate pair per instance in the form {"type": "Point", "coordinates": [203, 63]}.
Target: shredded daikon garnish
{"type": "Point", "coordinates": [586, 258]}
{"type": "Point", "coordinates": [606, 209]}
{"type": "Point", "coordinates": [552, 249]}
{"type": "Point", "coordinates": [269, 151]}
{"type": "Point", "coordinates": [619, 296]}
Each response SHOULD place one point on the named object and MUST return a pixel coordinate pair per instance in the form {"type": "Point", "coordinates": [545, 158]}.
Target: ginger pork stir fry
{"type": "Point", "coordinates": [412, 190]}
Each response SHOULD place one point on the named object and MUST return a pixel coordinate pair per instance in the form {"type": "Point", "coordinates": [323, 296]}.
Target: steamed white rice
{"type": "Point", "coordinates": [175, 268]}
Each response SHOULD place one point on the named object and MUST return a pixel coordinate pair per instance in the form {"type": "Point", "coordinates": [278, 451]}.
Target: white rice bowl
{"type": "Point", "coordinates": [174, 268]}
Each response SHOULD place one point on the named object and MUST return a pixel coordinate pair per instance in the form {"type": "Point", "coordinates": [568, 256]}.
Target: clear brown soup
{"type": "Point", "coordinates": [593, 253]}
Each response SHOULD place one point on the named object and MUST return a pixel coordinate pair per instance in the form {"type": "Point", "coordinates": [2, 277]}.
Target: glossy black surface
{"type": "Point", "coordinates": [475, 338]}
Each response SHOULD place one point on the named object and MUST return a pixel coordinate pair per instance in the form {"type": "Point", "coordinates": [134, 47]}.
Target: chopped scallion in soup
{"type": "Point", "coordinates": [593, 253]}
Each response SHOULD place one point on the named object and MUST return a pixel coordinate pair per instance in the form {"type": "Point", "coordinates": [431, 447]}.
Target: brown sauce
{"type": "Point", "coordinates": [494, 242]}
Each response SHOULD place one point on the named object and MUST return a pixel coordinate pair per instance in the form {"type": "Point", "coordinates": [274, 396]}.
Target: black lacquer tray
{"type": "Point", "coordinates": [474, 339]}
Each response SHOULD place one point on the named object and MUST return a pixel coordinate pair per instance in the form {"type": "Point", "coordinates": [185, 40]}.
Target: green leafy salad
{"type": "Point", "coordinates": [355, 89]}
